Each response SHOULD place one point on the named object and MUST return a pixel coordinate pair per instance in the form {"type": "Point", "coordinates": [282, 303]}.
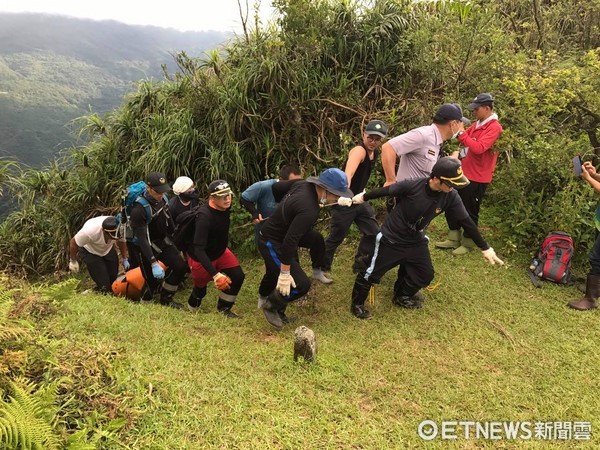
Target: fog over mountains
{"type": "Point", "coordinates": [54, 69]}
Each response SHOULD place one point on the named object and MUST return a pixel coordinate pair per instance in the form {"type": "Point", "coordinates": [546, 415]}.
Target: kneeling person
{"type": "Point", "coordinates": [402, 241]}
{"type": "Point", "coordinates": [95, 243]}
{"type": "Point", "coordinates": [209, 258]}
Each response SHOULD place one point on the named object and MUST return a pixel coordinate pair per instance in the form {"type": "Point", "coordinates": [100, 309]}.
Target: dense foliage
{"type": "Point", "coordinates": [299, 90]}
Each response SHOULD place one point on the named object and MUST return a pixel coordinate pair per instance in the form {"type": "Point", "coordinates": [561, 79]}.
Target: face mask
{"type": "Point", "coordinates": [187, 196]}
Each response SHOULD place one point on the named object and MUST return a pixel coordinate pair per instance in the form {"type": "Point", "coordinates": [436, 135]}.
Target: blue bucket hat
{"type": "Point", "coordinates": [334, 181]}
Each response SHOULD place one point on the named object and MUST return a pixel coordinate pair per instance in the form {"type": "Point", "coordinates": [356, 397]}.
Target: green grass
{"type": "Point", "coordinates": [487, 346]}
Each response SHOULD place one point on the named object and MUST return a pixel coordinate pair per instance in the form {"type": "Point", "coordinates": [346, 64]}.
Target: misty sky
{"type": "Point", "coordinates": [184, 15]}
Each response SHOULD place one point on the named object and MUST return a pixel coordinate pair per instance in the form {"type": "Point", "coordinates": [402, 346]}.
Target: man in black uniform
{"type": "Point", "coordinates": [295, 215]}
{"type": "Point", "coordinates": [186, 197]}
{"type": "Point", "coordinates": [360, 163]}
{"type": "Point", "coordinates": [402, 240]}
{"type": "Point", "coordinates": [209, 258]}
{"type": "Point", "coordinates": [152, 242]}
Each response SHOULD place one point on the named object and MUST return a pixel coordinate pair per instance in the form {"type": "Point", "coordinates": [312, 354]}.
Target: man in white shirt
{"type": "Point", "coordinates": [95, 243]}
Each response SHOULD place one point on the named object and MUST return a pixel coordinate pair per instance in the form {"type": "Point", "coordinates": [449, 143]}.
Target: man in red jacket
{"type": "Point", "coordinates": [478, 157]}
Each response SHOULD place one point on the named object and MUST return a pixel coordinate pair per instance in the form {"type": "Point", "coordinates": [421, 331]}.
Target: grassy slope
{"type": "Point", "coordinates": [487, 346]}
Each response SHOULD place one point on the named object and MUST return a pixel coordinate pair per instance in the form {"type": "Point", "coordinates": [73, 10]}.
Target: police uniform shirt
{"type": "Point", "coordinates": [418, 150]}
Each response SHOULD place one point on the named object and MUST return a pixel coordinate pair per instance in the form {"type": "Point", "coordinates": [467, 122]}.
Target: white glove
{"type": "Point", "coordinates": [73, 266]}
{"type": "Point", "coordinates": [490, 256]}
{"type": "Point", "coordinates": [359, 198]}
{"type": "Point", "coordinates": [344, 201]}
{"type": "Point", "coordinates": [284, 282]}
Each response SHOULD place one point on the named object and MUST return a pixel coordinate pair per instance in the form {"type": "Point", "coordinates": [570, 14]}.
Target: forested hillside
{"type": "Point", "coordinates": [54, 69]}
{"type": "Point", "coordinates": [299, 90]}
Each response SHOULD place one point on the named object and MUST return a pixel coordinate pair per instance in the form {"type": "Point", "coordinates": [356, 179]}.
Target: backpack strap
{"type": "Point", "coordinates": [147, 208]}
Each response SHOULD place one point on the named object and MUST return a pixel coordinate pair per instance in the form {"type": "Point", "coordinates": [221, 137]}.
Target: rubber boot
{"type": "Point", "coordinates": [195, 299]}
{"type": "Point", "coordinates": [592, 292]}
{"type": "Point", "coordinates": [271, 309]}
{"type": "Point", "coordinates": [408, 295]}
{"type": "Point", "coordinates": [466, 246]}
{"type": "Point", "coordinates": [224, 307]}
{"type": "Point", "coordinates": [453, 240]}
{"type": "Point", "coordinates": [360, 292]}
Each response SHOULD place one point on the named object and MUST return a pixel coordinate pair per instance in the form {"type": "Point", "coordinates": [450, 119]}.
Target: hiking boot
{"type": "Point", "coordinates": [320, 276]}
{"type": "Point", "coordinates": [413, 302]}
{"type": "Point", "coordinates": [592, 292]}
{"type": "Point", "coordinates": [453, 240]}
{"type": "Point", "coordinates": [466, 246]}
{"type": "Point", "coordinates": [360, 312]}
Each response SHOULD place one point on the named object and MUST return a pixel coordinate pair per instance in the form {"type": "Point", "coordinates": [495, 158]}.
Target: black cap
{"type": "Point", "coordinates": [449, 171]}
{"type": "Point", "coordinates": [449, 111]}
{"type": "Point", "coordinates": [484, 99]}
{"type": "Point", "coordinates": [376, 127]}
{"type": "Point", "coordinates": [111, 226]}
{"type": "Point", "coordinates": [219, 188]}
{"type": "Point", "coordinates": [158, 182]}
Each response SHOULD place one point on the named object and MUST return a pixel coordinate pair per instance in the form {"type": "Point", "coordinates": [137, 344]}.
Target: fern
{"type": "Point", "coordinates": [10, 328]}
{"type": "Point", "coordinates": [25, 419]}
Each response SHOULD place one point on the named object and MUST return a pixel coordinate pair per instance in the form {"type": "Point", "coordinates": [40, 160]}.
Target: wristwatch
{"type": "Point", "coordinates": [459, 134]}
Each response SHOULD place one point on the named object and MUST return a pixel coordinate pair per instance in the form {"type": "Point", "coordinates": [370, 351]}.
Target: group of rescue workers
{"type": "Point", "coordinates": [284, 211]}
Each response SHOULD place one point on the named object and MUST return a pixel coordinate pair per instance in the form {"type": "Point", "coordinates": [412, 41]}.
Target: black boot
{"type": "Point", "coordinates": [285, 319]}
{"type": "Point", "coordinates": [224, 307]}
{"type": "Point", "coordinates": [271, 308]}
{"type": "Point", "coordinates": [360, 293]}
{"type": "Point", "coordinates": [166, 299]}
{"type": "Point", "coordinates": [195, 299]}
{"type": "Point", "coordinates": [407, 295]}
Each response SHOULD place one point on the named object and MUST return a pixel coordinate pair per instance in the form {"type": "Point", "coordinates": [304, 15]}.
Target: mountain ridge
{"type": "Point", "coordinates": [54, 69]}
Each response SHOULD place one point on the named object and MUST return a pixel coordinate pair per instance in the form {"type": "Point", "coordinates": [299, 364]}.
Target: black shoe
{"type": "Point", "coordinates": [172, 304]}
{"type": "Point", "coordinates": [360, 312]}
{"type": "Point", "coordinates": [229, 314]}
{"type": "Point", "coordinates": [285, 319]}
{"type": "Point", "coordinates": [413, 302]}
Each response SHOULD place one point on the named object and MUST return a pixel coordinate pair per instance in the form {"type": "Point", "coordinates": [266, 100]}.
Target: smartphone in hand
{"type": "Point", "coordinates": [577, 163]}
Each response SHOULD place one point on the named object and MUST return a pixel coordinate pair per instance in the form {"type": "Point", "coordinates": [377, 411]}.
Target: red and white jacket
{"type": "Point", "coordinates": [479, 163]}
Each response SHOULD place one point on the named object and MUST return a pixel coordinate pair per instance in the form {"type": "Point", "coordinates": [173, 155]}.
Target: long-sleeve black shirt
{"type": "Point", "coordinates": [210, 237]}
{"type": "Point", "coordinates": [146, 233]}
{"type": "Point", "coordinates": [416, 206]}
{"type": "Point", "coordinates": [294, 216]}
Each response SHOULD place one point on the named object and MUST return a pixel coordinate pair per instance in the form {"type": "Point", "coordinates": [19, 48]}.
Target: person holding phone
{"type": "Point", "coordinates": [478, 156]}
{"type": "Point", "coordinates": [592, 285]}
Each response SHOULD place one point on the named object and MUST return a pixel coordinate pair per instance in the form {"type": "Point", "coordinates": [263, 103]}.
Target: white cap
{"type": "Point", "coordinates": [182, 184]}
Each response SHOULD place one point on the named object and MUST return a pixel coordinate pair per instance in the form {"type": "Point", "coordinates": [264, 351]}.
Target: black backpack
{"type": "Point", "coordinates": [553, 261]}
{"type": "Point", "coordinates": [185, 226]}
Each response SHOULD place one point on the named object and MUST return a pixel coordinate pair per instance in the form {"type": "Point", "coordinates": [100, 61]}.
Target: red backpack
{"type": "Point", "coordinates": [553, 261]}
